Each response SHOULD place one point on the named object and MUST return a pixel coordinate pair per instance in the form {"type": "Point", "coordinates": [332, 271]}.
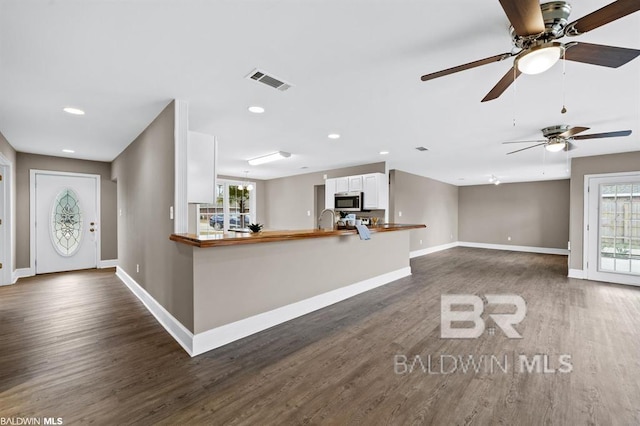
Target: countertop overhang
{"type": "Point", "coordinates": [238, 238]}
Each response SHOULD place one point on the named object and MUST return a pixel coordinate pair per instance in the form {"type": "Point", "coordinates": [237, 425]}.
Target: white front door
{"type": "Point", "coordinates": [66, 221]}
{"type": "Point", "coordinates": [613, 240]}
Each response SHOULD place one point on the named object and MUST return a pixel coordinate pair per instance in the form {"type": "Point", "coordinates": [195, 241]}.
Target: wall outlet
{"type": "Point", "coordinates": [399, 214]}
{"type": "Point", "coordinates": [451, 237]}
{"type": "Point", "coordinates": [569, 245]}
{"type": "Point", "coordinates": [508, 238]}
{"type": "Point", "coordinates": [120, 212]}
{"type": "Point", "coordinates": [308, 212]}
{"type": "Point", "coordinates": [137, 268]}
{"type": "Point", "coordinates": [420, 242]}
{"type": "Point", "coordinates": [171, 212]}
{"type": "Point", "coordinates": [324, 177]}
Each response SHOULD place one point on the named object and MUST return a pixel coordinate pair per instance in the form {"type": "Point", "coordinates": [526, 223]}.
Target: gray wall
{"type": "Point", "coordinates": [533, 214]}
{"type": "Point", "coordinates": [145, 172]}
{"type": "Point", "coordinates": [427, 201]}
{"type": "Point", "coordinates": [613, 163]}
{"type": "Point", "coordinates": [10, 154]}
{"type": "Point", "coordinates": [288, 199]}
{"type": "Point", "coordinates": [108, 225]}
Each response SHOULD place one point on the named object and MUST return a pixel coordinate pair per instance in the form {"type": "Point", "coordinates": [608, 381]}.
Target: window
{"type": "Point", "coordinates": [234, 207]}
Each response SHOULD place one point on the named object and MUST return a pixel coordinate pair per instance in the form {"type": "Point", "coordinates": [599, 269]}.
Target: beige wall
{"type": "Point", "coordinates": [26, 162]}
{"type": "Point", "coordinates": [534, 214]}
{"type": "Point", "coordinates": [145, 173]}
{"type": "Point", "coordinates": [427, 201]}
{"type": "Point", "coordinates": [10, 154]}
{"type": "Point", "coordinates": [231, 283]}
{"type": "Point", "coordinates": [288, 199]}
{"type": "Point", "coordinates": [613, 163]}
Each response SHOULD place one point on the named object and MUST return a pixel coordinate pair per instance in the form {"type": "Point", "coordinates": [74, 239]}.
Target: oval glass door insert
{"type": "Point", "coordinates": [66, 223]}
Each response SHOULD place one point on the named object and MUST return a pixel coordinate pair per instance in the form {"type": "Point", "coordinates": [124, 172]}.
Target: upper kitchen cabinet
{"type": "Point", "coordinates": [376, 191]}
{"type": "Point", "coordinates": [375, 187]}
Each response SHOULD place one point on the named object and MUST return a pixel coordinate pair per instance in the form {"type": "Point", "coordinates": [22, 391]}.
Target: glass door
{"type": "Point", "coordinates": [614, 229]}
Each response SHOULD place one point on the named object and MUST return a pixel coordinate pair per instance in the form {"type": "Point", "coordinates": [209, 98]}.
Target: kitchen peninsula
{"type": "Point", "coordinates": [246, 283]}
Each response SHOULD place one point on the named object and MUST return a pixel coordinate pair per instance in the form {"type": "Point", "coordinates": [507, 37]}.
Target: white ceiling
{"type": "Point", "coordinates": [355, 66]}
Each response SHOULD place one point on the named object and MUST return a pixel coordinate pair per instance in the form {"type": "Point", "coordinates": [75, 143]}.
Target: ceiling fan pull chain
{"type": "Point", "coordinates": [564, 85]}
{"type": "Point", "coordinates": [515, 97]}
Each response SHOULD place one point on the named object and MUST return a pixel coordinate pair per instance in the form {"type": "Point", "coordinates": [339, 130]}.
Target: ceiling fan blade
{"type": "Point", "coordinates": [573, 131]}
{"type": "Point", "coordinates": [529, 147]}
{"type": "Point", "coordinates": [496, 58]}
{"type": "Point", "coordinates": [524, 15]}
{"type": "Point", "coordinates": [540, 140]}
{"type": "Point", "coordinates": [609, 13]}
{"type": "Point", "coordinates": [503, 84]}
{"type": "Point", "coordinates": [597, 54]}
{"type": "Point", "coordinates": [603, 135]}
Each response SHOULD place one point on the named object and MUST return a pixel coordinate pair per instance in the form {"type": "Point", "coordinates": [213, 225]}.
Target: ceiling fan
{"type": "Point", "coordinates": [534, 29]}
{"type": "Point", "coordinates": [558, 138]}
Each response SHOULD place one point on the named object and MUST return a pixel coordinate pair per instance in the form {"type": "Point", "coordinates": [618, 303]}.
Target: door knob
{"type": "Point", "coordinates": [91, 229]}
{"type": "Point", "coordinates": [92, 223]}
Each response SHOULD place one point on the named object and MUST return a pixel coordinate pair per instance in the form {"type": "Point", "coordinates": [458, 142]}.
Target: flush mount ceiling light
{"type": "Point", "coordinates": [269, 157]}
{"type": "Point", "coordinates": [74, 111]}
{"type": "Point", "coordinates": [539, 58]}
{"type": "Point", "coordinates": [256, 109]}
{"type": "Point", "coordinates": [333, 136]}
{"type": "Point", "coordinates": [384, 152]}
{"type": "Point", "coordinates": [68, 151]}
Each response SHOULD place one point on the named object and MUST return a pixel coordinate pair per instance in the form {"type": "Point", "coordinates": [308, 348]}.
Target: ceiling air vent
{"type": "Point", "coordinates": [269, 80]}
{"type": "Point", "coordinates": [422, 148]}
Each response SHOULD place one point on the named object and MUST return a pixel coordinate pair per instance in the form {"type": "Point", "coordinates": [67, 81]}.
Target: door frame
{"type": "Point", "coordinates": [619, 278]}
{"type": "Point", "coordinates": [32, 212]}
{"type": "Point", "coordinates": [6, 231]}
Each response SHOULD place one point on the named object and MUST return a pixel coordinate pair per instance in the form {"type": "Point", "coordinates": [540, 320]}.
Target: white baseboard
{"type": "Point", "coordinates": [219, 336]}
{"type": "Point", "coordinates": [107, 263]}
{"type": "Point", "coordinates": [178, 331]}
{"type": "Point", "coordinates": [433, 249]}
{"type": "Point", "coordinates": [528, 249]}
{"type": "Point", "coordinates": [576, 273]}
{"type": "Point", "coordinates": [21, 273]}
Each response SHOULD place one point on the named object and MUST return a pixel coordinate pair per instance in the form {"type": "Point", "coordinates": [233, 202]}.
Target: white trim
{"type": "Point", "coordinates": [178, 331]}
{"type": "Point", "coordinates": [219, 336]}
{"type": "Point", "coordinates": [21, 273]}
{"type": "Point", "coordinates": [181, 137]}
{"type": "Point", "coordinates": [433, 249]}
{"type": "Point", "coordinates": [111, 263]}
{"type": "Point", "coordinates": [528, 249]}
{"type": "Point", "coordinates": [32, 210]}
{"type": "Point", "coordinates": [6, 275]}
{"type": "Point", "coordinates": [576, 273]}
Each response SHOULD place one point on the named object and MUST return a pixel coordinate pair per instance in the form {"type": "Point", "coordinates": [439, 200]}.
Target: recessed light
{"type": "Point", "coordinates": [333, 136]}
{"type": "Point", "coordinates": [256, 109]}
{"type": "Point", "coordinates": [384, 152]}
{"type": "Point", "coordinates": [68, 151]}
{"type": "Point", "coordinates": [74, 111]}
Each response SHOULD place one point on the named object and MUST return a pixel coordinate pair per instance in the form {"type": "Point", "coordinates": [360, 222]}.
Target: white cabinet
{"type": "Point", "coordinates": [355, 183]}
{"type": "Point", "coordinates": [375, 187]}
{"type": "Point", "coordinates": [342, 184]}
{"type": "Point", "coordinates": [329, 193]}
{"type": "Point", "coordinates": [376, 191]}
{"type": "Point", "coordinates": [201, 168]}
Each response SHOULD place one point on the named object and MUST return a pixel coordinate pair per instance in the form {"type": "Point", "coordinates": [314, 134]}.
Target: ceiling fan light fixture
{"type": "Point", "coordinates": [539, 58]}
{"type": "Point", "coordinates": [555, 146]}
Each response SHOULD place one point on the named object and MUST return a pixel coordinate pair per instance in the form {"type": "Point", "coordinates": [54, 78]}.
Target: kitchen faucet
{"type": "Point", "coordinates": [333, 219]}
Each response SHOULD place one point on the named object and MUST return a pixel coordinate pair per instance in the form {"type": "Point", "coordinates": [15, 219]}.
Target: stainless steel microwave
{"type": "Point", "coordinates": [348, 201]}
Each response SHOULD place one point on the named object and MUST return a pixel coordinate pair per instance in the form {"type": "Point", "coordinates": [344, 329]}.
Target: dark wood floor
{"type": "Point", "coordinates": [80, 347]}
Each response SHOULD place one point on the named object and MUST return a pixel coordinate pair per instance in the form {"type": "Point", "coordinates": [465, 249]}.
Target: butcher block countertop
{"type": "Point", "coordinates": [237, 238]}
